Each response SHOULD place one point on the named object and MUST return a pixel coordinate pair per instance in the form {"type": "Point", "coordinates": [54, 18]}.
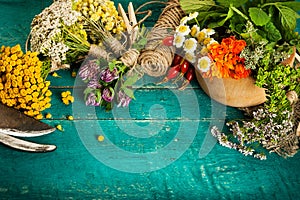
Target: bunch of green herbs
{"type": "Point", "coordinates": [268, 27]}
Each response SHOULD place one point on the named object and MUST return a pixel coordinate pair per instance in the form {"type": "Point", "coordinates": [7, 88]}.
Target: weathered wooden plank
{"type": "Point", "coordinates": [150, 103]}
{"type": "Point", "coordinates": [73, 171]}
{"type": "Point", "coordinates": [65, 80]}
{"type": "Point", "coordinates": [15, 22]}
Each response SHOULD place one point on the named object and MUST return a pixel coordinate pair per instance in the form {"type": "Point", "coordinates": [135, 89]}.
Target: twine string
{"type": "Point", "coordinates": [155, 57]}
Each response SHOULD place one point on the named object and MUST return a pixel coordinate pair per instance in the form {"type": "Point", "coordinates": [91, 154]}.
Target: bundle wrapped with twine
{"type": "Point", "coordinates": [128, 57]}
{"type": "Point", "coordinates": [155, 58]}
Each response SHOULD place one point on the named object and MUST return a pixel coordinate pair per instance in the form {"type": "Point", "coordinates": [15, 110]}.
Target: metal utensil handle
{"type": "Point", "coordinates": [25, 145]}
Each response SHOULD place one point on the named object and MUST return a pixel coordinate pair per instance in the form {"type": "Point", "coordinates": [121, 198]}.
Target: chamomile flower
{"type": "Point", "coordinates": [193, 15]}
{"type": "Point", "coordinates": [206, 41]}
{"type": "Point", "coordinates": [195, 30]}
{"type": "Point", "coordinates": [178, 40]}
{"type": "Point", "coordinates": [212, 41]}
{"type": "Point", "coordinates": [184, 20]}
{"type": "Point", "coordinates": [204, 50]}
{"type": "Point", "coordinates": [190, 57]}
{"type": "Point", "coordinates": [204, 64]}
{"type": "Point", "coordinates": [200, 36]}
{"type": "Point", "coordinates": [208, 31]}
{"type": "Point", "coordinates": [183, 30]}
{"type": "Point", "coordinates": [190, 45]}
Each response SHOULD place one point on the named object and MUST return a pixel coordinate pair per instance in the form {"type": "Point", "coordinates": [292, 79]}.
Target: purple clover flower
{"type": "Point", "coordinates": [108, 94]}
{"type": "Point", "coordinates": [92, 100]}
{"type": "Point", "coordinates": [90, 70]}
{"type": "Point", "coordinates": [94, 83]}
{"type": "Point", "coordinates": [108, 76]}
{"type": "Point", "coordinates": [124, 100]}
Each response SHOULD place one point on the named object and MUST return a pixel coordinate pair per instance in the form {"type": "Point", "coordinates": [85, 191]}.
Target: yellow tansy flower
{"type": "Point", "coordinates": [48, 116]}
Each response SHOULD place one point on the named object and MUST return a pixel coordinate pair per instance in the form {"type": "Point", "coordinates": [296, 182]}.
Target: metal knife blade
{"type": "Point", "coordinates": [25, 145]}
{"type": "Point", "coordinates": [15, 123]}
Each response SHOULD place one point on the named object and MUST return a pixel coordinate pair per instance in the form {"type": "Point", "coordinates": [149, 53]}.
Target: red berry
{"type": "Point", "coordinates": [173, 72]}
{"type": "Point", "coordinates": [184, 66]}
{"type": "Point", "coordinates": [168, 41]}
{"type": "Point", "coordinates": [190, 75]}
{"type": "Point", "coordinates": [176, 60]}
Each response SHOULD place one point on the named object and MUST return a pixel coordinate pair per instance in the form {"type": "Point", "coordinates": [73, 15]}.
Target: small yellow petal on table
{"type": "Point", "coordinates": [70, 117]}
{"type": "Point", "coordinates": [59, 127]}
{"type": "Point", "coordinates": [100, 138]}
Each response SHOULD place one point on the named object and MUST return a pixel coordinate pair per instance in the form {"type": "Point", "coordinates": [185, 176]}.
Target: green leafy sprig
{"type": "Point", "coordinates": [275, 21]}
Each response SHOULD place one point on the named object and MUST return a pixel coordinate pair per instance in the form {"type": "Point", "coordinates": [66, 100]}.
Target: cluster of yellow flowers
{"type": "Point", "coordinates": [66, 97]}
{"type": "Point", "coordinates": [22, 84]}
{"type": "Point", "coordinates": [103, 10]}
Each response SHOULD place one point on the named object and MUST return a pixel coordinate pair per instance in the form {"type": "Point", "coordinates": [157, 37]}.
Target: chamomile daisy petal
{"type": "Point", "coordinates": [204, 64]}
{"type": "Point", "coordinates": [183, 20]}
{"type": "Point", "coordinates": [193, 15]}
{"type": "Point", "coordinates": [208, 31]}
{"type": "Point", "coordinates": [195, 30]}
{"type": "Point", "coordinates": [190, 57]}
{"type": "Point", "coordinates": [212, 41]}
{"type": "Point", "coordinates": [183, 30]}
{"type": "Point", "coordinates": [190, 45]}
{"type": "Point", "coordinates": [178, 40]}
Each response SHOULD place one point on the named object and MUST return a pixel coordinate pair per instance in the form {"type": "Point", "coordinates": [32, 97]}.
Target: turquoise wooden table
{"type": "Point", "coordinates": [158, 148]}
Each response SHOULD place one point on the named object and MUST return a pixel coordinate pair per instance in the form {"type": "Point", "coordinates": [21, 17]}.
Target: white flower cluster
{"type": "Point", "coordinates": [268, 131]}
{"type": "Point", "coordinates": [272, 131]}
{"type": "Point", "coordinates": [46, 29]}
{"type": "Point", "coordinates": [224, 141]}
{"type": "Point", "coordinates": [194, 41]}
{"type": "Point", "coordinates": [57, 52]}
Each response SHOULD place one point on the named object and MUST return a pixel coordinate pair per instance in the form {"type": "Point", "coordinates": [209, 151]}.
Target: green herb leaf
{"type": "Point", "coordinates": [197, 5]}
{"type": "Point", "coordinates": [272, 33]}
{"type": "Point", "coordinates": [288, 18]}
{"type": "Point", "coordinates": [87, 91]}
{"type": "Point", "coordinates": [237, 24]}
{"type": "Point", "coordinates": [228, 3]}
{"type": "Point", "coordinates": [212, 16]}
{"type": "Point", "coordinates": [239, 12]}
{"type": "Point", "coordinates": [229, 15]}
{"type": "Point", "coordinates": [291, 4]}
{"type": "Point", "coordinates": [255, 36]}
{"type": "Point", "coordinates": [111, 65]}
{"type": "Point", "coordinates": [258, 16]}
{"type": "Point", "coordinates": [143, 41]}
{"type": "Point", "coordinates": [128, 92]}
{"type": "Point", "coordinates": [130, 80]}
